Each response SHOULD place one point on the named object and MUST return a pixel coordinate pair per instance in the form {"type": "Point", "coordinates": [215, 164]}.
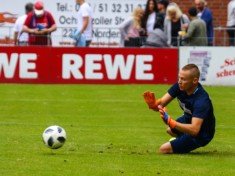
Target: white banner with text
{"type": "Point", "coordinates": [217, 64]}
{"type": "Point", "coordinates": [108, 15]}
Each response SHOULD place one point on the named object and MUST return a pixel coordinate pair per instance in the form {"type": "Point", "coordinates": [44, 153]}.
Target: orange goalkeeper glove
{"type": "Point", "coordinates": [166, 118]}
{"type": "Point", "coordinates": [151, 101]}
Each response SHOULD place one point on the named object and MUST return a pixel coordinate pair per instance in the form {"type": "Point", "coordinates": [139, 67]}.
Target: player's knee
{"type": "Point", "coordinates": [163, 150]}
{"type": "Point", "coordinates": [166, 148]}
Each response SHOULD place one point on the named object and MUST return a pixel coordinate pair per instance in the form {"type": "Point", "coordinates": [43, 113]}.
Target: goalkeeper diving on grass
{"type": "Point", "coordinates": [196, 127]}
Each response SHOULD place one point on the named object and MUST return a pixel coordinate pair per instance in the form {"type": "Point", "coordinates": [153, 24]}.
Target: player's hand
{"type": "Point", "coordinates": [151, 101]}
{"type": "Point", "coordinates": [76, 34]}
{"type": "Point", "coordinates": [40, 33]}
{"type": "Point", "coordinates": [34, 31]}
{"type": "Point", "coordinates": [166, 118]}
{"type": "Point", "coordinates": [44, 31]}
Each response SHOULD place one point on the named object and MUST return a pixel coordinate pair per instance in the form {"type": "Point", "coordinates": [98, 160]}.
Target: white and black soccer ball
{"type": "Point", "coordinates": [54, 137]}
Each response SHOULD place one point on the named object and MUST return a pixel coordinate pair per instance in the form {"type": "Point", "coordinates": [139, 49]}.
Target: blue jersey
{"type": "Point", "coordinates": [196, 105]}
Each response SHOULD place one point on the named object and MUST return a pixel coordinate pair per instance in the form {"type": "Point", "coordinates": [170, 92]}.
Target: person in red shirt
{"type": "Point", "coordinates": [39, 24]}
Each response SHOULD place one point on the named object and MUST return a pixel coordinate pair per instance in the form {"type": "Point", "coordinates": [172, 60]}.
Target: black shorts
{"type": "Point", "coordinates": [184, 143]}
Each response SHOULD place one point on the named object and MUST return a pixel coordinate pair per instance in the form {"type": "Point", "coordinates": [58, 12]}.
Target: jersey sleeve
{"type": "Point", "coordinates": [28, 20]}
{"type": "Point", "coordinates": [201, 108]}
{"type": "Point", "coordinates": [50, 19]}
{"type": "Point", "coordinates": [174, 90]}
{"type": "Point", "coordinates": [16, 26]}
{"type": "Point", "coordinates": [85, 11]}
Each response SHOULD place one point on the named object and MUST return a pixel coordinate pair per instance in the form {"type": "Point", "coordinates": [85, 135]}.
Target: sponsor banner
{"type": "Point", "coordinates": [217, 64]}
{"type": "Point", "coordinates": [108, 15]}
{"type": "Point", "coordinates": [88, 65]}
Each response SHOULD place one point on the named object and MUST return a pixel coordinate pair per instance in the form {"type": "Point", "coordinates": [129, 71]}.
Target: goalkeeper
{"type": "Point", "coordinates": [196, 127]}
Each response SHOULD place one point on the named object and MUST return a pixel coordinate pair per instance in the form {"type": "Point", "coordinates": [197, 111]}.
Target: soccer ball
{"type": "Point", "coordinates": [54, 137]}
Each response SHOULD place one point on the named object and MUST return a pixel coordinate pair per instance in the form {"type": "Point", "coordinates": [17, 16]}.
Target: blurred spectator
{"type": "Point", "coordinates": [231, 22]}
{"type": "Point", "coordinates": [160, 16]}
{"type": "Point", "coordinates": [39, 24]}
{"type": "Point", "coordinates": [175, 21]}
{"type": "Point", "coordinates": [21, 38]}
{"type": "Point", "coordinates": [206, 15]}
{"type": "Point", "coordinates": [162, 6]}
{"type": "Point", "coordinates": [84, 28]}
{"type": "Point", "coordinates": [130, 29]}
{"type": "Point", "coordinates": [196, 34]}
{"type": "Point", "coordinates": [149, 18]}
{"type": "Point", "coordinates": [157, 38]}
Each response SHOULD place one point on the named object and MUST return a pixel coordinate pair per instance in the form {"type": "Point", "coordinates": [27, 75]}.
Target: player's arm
{"type": "Point", "coordinates": [16, 37]}
{"type": "Point", "coordinates": [16, 32]}
{"type": "Point", "coordinates": [26, 26]}
{"type": "Point", "coordinates": [85, 19]}
{"type": "Point", "coordinates": [85, 23]}
{"type": "Point", "coordinates": [166, 99]}
{"type": "Point", "coordinates": [153, 102]}
{"type": "Point", "coordinates": [29, 30]}
{"type": "Point", "coordinates": [49, 30]}
{"type": "Point", "coordinates": [191, 129]}
{"type": "Point", "coordinates": [53, 26]}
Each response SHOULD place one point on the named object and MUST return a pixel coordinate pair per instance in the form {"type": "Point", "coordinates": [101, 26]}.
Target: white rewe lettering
{"type": "Point", "coordinates": [71, 65]}
{"type": "Point", "coordinates": [143, 65]}
{"type": "Point", "coordinates": [96, 66]}
{"type": "Point", "coordinates": [118, 64]}
{"type": "Point", "coordinates": [92, 66]}
{"type": "Point", "coordinates": [27, 66]}
{"type": "Point", "coordinates": [8, 66]}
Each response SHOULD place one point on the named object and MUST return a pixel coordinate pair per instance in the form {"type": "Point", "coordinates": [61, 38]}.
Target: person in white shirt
{"type": "Point", "coordinates": [21, 38]}
{"type": "Point", "coordinates": [231, 22]}
{"type": "Point", "coordinates": [85, 16]}
{"type": "Point", "coordinates": [149, 18]}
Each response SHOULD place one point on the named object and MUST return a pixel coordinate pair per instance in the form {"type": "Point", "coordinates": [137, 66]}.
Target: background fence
{"type": "Point", "coordinates": [102, 37]}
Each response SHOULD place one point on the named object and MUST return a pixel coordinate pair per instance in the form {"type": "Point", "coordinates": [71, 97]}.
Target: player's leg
{"type": "Point", "coordinates": [184, 144]}
{"type": "Point", "coordinates": [166, 148]}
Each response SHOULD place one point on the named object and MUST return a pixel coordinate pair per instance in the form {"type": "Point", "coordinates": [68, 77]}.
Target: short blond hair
{"type": "Point", "coordinates": [173, 7]}
{"type": "Point", "coordinates": [195, 72]}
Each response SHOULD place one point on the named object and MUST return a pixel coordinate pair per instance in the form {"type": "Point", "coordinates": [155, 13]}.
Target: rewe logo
{"type": "Point", "coordinates": [24, 62]}
{"type": "Point", "coordinates": [97, 66]}
{"type": "Point", "coordinates": [79, 67]}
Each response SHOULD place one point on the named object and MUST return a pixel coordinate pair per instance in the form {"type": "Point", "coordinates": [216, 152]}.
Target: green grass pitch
{"type": "Point", "coordinates": [110, 131]}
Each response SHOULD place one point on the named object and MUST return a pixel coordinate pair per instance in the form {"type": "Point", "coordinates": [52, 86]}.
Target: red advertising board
{"type": "Point", "coordinates": [88, 65]}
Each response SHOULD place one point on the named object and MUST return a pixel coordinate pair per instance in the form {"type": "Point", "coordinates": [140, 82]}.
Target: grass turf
{"type": "Point", "coordinates": [110, 132]}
